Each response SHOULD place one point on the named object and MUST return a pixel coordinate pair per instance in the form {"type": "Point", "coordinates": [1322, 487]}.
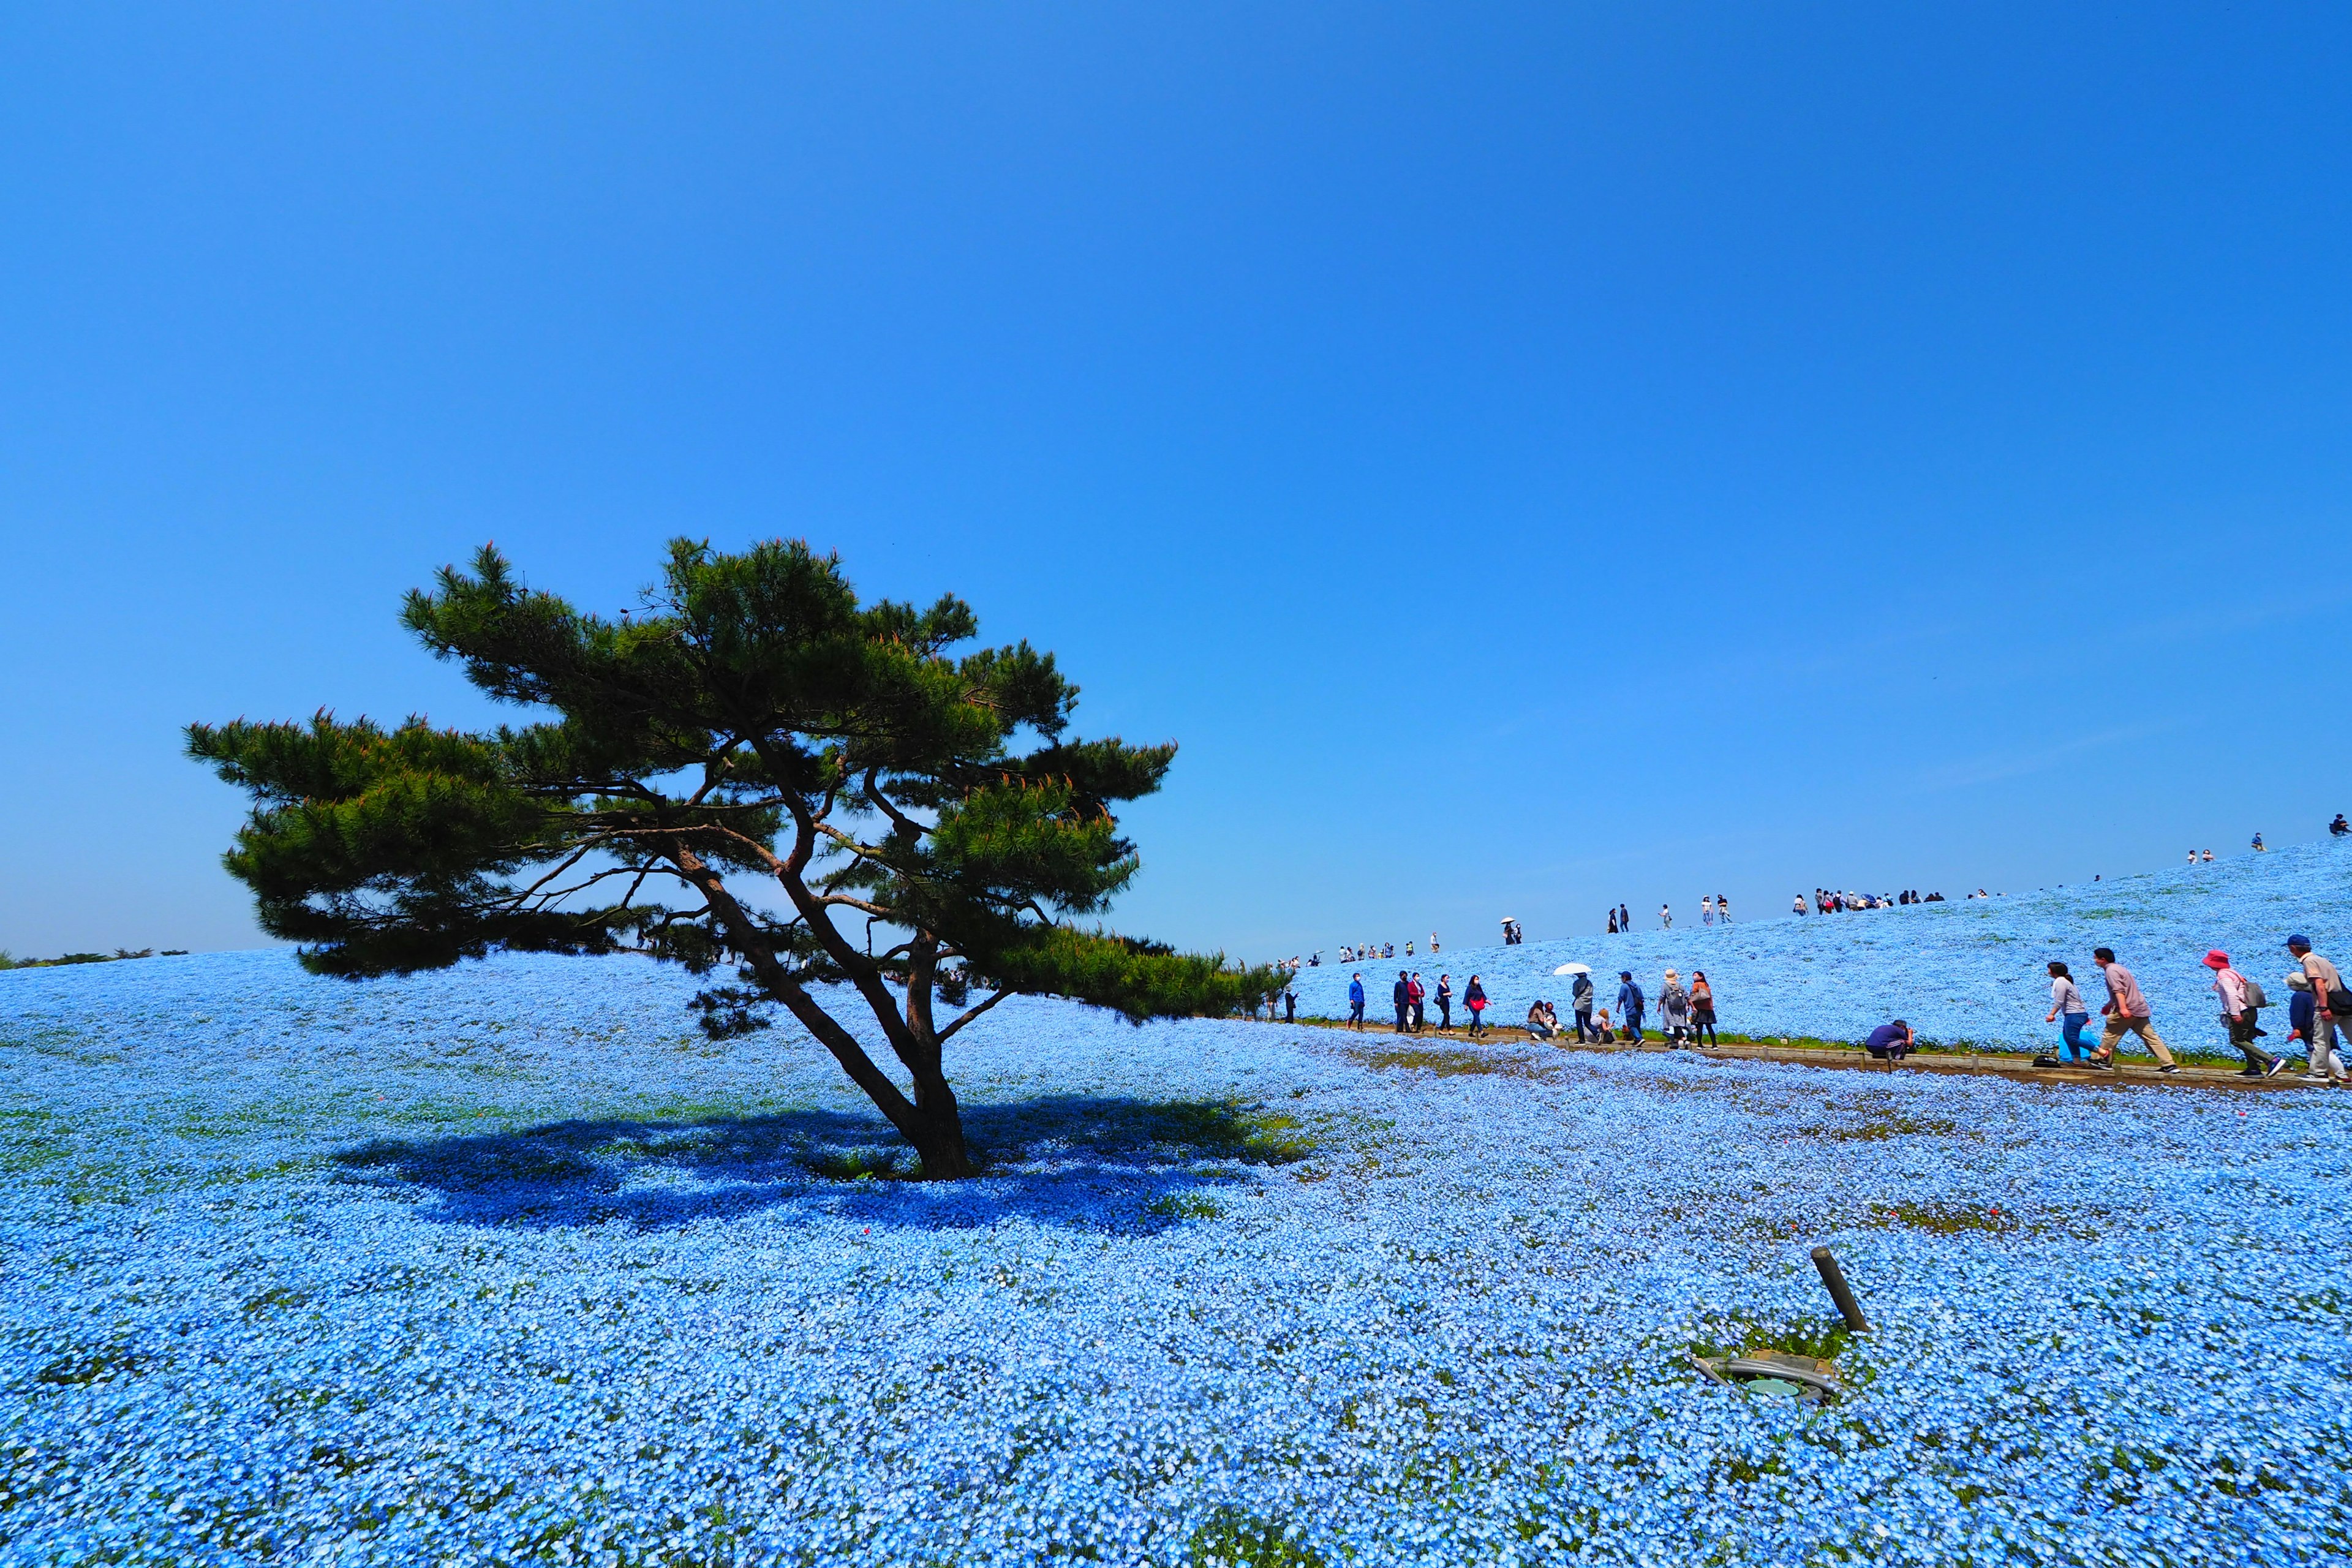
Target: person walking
{"type": "Point", "coordinates": [1674, 1010]}
{"type": "Point", "coordinates": [2300, 1015]}
{"type": "Point", "coordinates": [1625, 918]}
{"type": "Point", "coordinates": [1445, 1003]}
{"type": "Point", "coordinates": [1420, 1000]}
{"type": "Point", "coordinates": [1666, 917]}
{"type": "Point", "coordinates": [2331, 1013]}
{"type": "Point", "coordinates": [1723, 907]}
{"type": "Point", "coordinates": [1702, 996]}
{"type": "Point", "coordinates": [1613, 923]}
{"type": "Point", "coordinates": [1631, 1003]}
{"type": "Point", "coordinates": [2066, 1002]}
{"type": "Point", "coordinates": [1400, 996]}
{"type": "Point", "coordinates": [1580, 1002]}
{"type": "Point", "coordinates": [1473, 996]}
{"type": "Point", "coordinates": [2127, 1012]}
{"type": "Point", "coordinates": [1707, 910]}
{"type": "Point", "coordinates": [2238, 1014]}
{"type": "Point", "coordinates": [1356, 1003]}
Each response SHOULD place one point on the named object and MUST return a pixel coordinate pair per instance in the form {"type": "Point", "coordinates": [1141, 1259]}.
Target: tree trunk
{"type": "Point", "coordinates": [937, 1132]}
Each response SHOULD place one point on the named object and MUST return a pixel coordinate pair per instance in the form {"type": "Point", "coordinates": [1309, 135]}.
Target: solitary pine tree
{"type": "Point", "coordinates": [755, 726]}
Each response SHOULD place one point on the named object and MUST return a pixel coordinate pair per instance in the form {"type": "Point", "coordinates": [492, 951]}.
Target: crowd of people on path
{"type": "Point", "coordinates": [2319, 1009]}
{"type": "Point", "coordinates": [2319, 1016]}
{"type": "Point", "coordinates": [1826, 901]}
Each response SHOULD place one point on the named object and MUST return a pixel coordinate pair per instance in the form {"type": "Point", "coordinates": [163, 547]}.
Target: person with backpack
{"type": "Point", "coordinates": [1674, 1010]}
{"type": "Point", "coordinates": [1473, 996]}
{"type": "Point", "coordinates": [1356, 1003]}
{"type": "Point", "coordinates": [2331, 1013]}
{"type": "Point", "coordinates": [2241, 1002]}
{"type": "Point", "coordinates": [1702, 996]}
{"type": "Point", "coordinates": [1445, 1003]}
{"type": "Point", "coordinates": [1631, 1005]}
{"type": "Point", "coordinates": [2066, 1002]}
{"type": "Point", "coordinates": [2127, 1012]}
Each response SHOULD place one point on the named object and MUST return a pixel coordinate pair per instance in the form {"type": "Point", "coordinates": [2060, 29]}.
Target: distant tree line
{"type": "Point", "coordinates": [10, 961]}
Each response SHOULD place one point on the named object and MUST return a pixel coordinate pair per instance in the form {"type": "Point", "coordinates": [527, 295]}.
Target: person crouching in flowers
{"type": "Point", "coordinates": [1891, 1042]}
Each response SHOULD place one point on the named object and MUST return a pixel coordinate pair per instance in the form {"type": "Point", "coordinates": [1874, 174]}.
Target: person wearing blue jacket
{"type": "Point", "coordinates": [2302, 1013]}
{"type": "Point", "coordinates": [1356, 1003]}
{"type": "Point", "coordinates": [1631, 1003]}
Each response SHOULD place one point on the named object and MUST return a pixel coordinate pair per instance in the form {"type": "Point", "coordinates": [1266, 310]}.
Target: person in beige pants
{"type": "Point", "coordinates": [2127, 1011]}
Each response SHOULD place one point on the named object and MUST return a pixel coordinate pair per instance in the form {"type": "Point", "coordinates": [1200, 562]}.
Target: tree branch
{"type": "Point", "coordinates": [969, 1013]}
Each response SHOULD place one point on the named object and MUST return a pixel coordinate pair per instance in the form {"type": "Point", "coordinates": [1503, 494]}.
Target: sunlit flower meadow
{"type": "Point", "coordinates": [508, 1263]}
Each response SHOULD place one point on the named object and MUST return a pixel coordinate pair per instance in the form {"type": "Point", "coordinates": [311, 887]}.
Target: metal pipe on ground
{"type": "Point", "coordinates": [1840, 1292]}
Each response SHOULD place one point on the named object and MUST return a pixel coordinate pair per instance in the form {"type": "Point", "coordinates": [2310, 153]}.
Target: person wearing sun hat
{"type": "Point", "coordinates": [2331, 1011]}
{"type": "Point", "coordinates": [2238, 1014]}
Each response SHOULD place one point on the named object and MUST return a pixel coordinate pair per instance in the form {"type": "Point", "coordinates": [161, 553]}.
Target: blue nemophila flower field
{"type": "Point", "coordinates": [508, 1264]}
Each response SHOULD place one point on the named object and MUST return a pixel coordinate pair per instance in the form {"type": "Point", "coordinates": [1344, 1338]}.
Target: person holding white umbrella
{"type": "Point", "coordinates": [1580, 1000]}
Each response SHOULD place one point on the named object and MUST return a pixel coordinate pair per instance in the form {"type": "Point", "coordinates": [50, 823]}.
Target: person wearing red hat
{"type": "Point", "coordinates": [2239, 1013]}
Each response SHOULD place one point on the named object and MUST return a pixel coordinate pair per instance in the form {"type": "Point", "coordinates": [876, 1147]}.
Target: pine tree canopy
{"type": "Point", "coordinates": [726, 779]}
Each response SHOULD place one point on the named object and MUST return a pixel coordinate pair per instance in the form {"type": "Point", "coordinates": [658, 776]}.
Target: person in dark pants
{"type": "Point", "coordinates": [1580, 1002]}
{"type": "Point", "coordinates": [1631, 1003]}
{"type": "Point", "coordinates": [1356, 1003]}
{"type": "Point", "coordinates": [1702, 1004]}
{"type": "Point", "coordinates": [1891, 1042]}
{"type": "Point", "coordinates": [1289, 1005]}
{"type": "Point", "coordinates": [2241, 1018]}
{"type": "Point", "coordinates": [1401, 994]}
{"type": "Point", "coordinates": [1445, 1003]}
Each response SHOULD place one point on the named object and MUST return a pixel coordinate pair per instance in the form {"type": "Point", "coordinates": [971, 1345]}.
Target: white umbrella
{"type": "Point", "coordinates": [1573, 969]}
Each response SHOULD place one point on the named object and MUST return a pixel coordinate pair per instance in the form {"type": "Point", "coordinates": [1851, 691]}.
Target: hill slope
{"type": "Point", "coordinates": [1968, 970]}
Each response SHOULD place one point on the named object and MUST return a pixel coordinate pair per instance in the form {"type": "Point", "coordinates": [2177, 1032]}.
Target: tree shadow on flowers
{"type": "Point", "coordinates": [1083, 1163]}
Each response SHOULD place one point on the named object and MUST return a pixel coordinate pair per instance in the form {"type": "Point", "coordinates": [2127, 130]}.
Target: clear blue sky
{"type": "Point", "coordinates": [1529, 457]}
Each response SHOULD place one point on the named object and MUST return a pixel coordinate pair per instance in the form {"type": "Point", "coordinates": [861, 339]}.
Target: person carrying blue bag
{"type": "Point", "coordinates": [2066, 1002]}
